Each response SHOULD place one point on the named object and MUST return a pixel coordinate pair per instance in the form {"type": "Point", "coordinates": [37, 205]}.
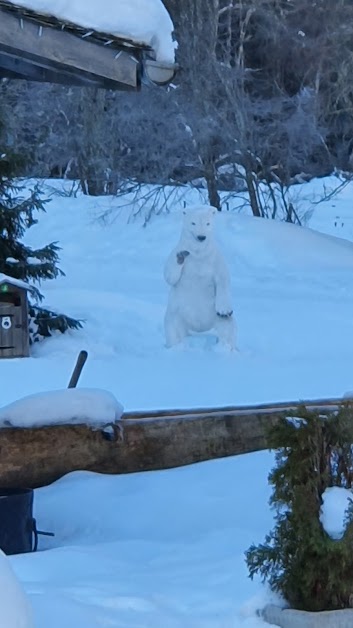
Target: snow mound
{"type": "Point", "coordinates": [288, 247]}
{"type": "Point", "coordinates": [144, 21]}
{"type": "Point", "coordinates": [15, 610]}
{"type": "Point", "coordinates": [71, 405]}
{"type": "Point", "coordinates": [161, 549]}
{"type": "Point", "coordinates": [335, 503]}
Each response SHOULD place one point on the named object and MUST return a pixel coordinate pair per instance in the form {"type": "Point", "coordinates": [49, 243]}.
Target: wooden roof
{"type": "Point", "coordinates": [41, 48]}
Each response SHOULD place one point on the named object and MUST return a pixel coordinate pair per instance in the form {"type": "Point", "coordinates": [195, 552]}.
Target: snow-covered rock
{"type": "Point", "coordinates": [15, 609]}
{"type": "Point", "coordinates": [71, 405]}
{"type": "Point", "coordinates": [144, 21]}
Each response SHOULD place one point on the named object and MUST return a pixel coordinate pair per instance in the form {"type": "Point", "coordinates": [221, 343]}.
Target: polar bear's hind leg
{"type": "Point", "coordinates": [175, 330]}
{"type": "Point", "coordinates": [226, 331]}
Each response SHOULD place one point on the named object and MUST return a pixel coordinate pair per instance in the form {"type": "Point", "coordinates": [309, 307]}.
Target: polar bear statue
{"type": "Point", "coordinates": [199, 297]}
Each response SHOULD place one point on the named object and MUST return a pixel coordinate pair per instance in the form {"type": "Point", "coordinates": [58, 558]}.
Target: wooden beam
{"type": "Point", "coordinates": [37, 456]}
{"type": "Point", "coordinates": [19, 68]}
{"type": "Point", "coordinates": [59, 50]}
{"type": "Point", "coordinates": [328, 405]}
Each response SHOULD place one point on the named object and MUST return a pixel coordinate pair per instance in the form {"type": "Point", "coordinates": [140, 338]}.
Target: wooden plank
{"type": "Point", "coordinates": [36, 457]}
{"type": "Point", "coordinates": [48, 47]}
{"type": "Point", "coordinates": [14, 342]}
{"type": "Point", "coordinates": [7, 336]}
{"type": "Point", "coordinates": [12, 66]}
{"type": "Point", "coordinates": [23, 321]}
{"type": "Point", "coordinates": [330, 404]}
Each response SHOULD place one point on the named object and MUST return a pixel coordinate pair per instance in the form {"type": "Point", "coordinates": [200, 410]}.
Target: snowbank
{"type": "Point", "coordinates": [163, 549]}
{"type": "Point", "coordinates": [143, 21]}
{"type": "Point", "coordinates": [70, 406]}
{"type": "Point", "coordinates": [15, 610]}
{"type": "Point", "coordinates": [287, 247]}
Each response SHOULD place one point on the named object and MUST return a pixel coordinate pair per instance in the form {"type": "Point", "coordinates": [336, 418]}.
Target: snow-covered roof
{"type": "Point", "coordinates": [142, 21]}
{"type": "Point", "coordinates": [13, 281]}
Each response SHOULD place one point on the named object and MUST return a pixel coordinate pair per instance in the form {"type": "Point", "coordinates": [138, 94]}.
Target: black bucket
{"type": "Point", "coordinates": [18, 530]}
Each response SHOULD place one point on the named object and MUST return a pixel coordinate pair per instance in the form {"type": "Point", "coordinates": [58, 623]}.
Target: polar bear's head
{"type": "Point", "coordinates": [198, 225]}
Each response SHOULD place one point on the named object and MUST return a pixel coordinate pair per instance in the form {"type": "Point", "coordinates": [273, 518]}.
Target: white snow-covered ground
{"type": "Point", "coordinates": [143, 21]}
{"type": "Point", "coordinates": [166, 549]}
{"type": "Point", "coordinates": [150, 550]}
{"type": "Point", "coordinates": [293, 302]}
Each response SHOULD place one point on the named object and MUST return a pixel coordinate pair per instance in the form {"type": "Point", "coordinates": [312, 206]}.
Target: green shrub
{"type": "Point", "coordinates": [298, 559]}
{"type": "Point", "coordinates": [19, 208]}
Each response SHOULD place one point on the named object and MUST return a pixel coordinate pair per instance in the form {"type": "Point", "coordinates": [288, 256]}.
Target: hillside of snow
{"type": "Point", "coordinates": [292, 293]}
{"type": "Point", "coordinates": [166, 549]}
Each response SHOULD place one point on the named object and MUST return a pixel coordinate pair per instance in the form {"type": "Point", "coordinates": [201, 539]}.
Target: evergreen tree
{"type": "Point", "coordinates": [18, 208]}
{"type": "Point", "coordinates": [298, 559]}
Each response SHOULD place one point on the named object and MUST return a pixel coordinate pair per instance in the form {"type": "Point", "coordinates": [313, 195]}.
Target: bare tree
{"type": "Point", "coordinates": [264, 93]}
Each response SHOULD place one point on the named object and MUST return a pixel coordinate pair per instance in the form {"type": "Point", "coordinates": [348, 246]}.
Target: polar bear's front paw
{"type": "Point", "coordinates": [181, 257]}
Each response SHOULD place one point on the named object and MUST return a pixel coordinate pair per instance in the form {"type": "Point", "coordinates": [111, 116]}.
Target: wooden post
{"type": "Point", "coordinates": [81, 361]}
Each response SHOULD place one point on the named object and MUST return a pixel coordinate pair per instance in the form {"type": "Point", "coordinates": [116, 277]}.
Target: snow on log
{"type": "Point", "coordinates": [70, 406]}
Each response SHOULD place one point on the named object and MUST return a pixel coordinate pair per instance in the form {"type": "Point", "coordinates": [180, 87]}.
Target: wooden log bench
{"type": "Point", "coordinates": [35, 457]}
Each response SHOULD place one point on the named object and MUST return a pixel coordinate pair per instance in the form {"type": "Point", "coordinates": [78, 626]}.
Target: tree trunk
{"type": "Point", "coordinates": [211, 182]}
{"type": "Point", "coordinates": [252, 194]}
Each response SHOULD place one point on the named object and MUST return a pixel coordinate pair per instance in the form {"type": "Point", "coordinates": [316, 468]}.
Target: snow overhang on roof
{"type": "Point", "coordinates": [42, 47]}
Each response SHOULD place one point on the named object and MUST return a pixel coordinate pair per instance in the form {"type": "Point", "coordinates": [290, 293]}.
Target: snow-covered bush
{"type": "Point", "coordinates": [18, 209]}
{"type": "Point", "coordinates": [299, 559]}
